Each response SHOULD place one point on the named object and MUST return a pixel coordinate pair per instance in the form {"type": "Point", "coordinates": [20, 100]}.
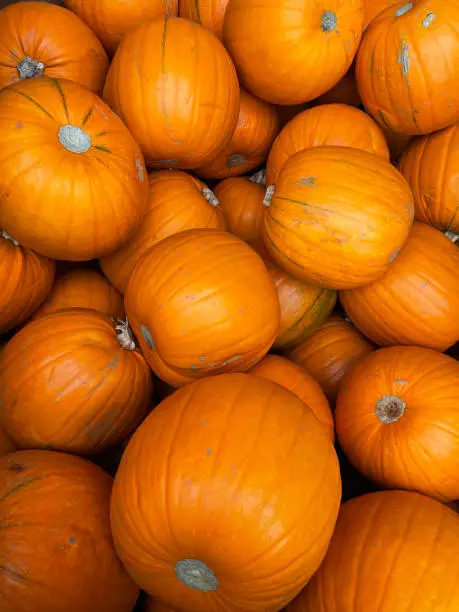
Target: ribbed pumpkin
{"type": "Point", "coordinates": [81, 177]}
{"type": "Point", "coordinates": [180, 61]}
{"type": "Point", "coordinates": [373, 8]}
{"type": "Point", "coordinates": [6, 443]}
{"type": "Point", "coordinates": [330, 353]}
{"type": "Point", "coordinates": [297, 380]}
{"type": "Point", "coordinates": [56, 549]}
{"type": "Point", "coordinates": [177, 202]}
{"type": "Point", "coordinates": [69, 382]}
{"type": "Point", "coordinates": [25, 280]}
{"type": "Point", "coordinates": [288, 53]}
{"type": "Point", "coordinates": [338, 217]}
{"type": "Point", "coordinates": [38, 39]}
{"type": "Point", "coordinates": [202, 302]}
{"type": "Point", "coordinates": [417, 301]}
{"type": "Point", "coordinates": [392, 551]}
{"type": "Point", "coordinates": [344, 92]}
{"type": "Point", "coordinates": [208, 13]}
{"type": "Point", "coordinates": [265, 473]}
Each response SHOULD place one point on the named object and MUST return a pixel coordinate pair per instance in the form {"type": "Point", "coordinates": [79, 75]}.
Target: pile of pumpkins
{"type": "Point", "coordinates": [228, 231]}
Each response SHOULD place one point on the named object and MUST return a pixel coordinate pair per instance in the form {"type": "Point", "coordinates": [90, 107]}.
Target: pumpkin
{"type": "Point", "coordinates": [329, 124]}
{"type": "Point", "coordinates": [398, 409]}
{"type": "Point", "coordinates": [330, 353]}
{"type": "Point", "coordinates": [177, 202]}
{"type": "Point", "coordinates": [392, 550]}
{"type": "Point", "coordinates": [338, 217]}
{"type": "Point", "coordinates": [344, 92]}
{"type": "Point", "coordinates": [81, 177]}
{"type": "Point", "coordinates": [405, 78]}
{"type": "Point", "coordinates": [111, 19]}
{"type": "Point", "coordinates": [6, 444]}
{"type": "Point", "coordinates": [43, 39]}
{"type": "Point", "coordinates": [264, 471]}
{"type": "Point", "coordinates": [297, 380]}
{"type": "Point", "coordinates": [180, 61]}
{"type": "Point", "coordinates": [56, 549]}
{"type": "Point", "coordinates": [202, 302]}
{"type": "Point", "coordinates": [25, 278]}
{"type": "Point", "coordinates": [416, 302]}
{"type": "Point", "coordinates": [288, 53]}
{"type": "Point", "coordinates": [256, 128]}
{"type": "Point", "coordinates": [373, 8]}
{"type": "Point", "coordinates": [209, 14]}
{"type": "Point", "coordinates": [70, 382]}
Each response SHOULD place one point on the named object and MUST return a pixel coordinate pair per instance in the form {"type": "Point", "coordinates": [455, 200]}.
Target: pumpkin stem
{"type": "Point", "coordinates": [452, 236]}
{"type": "Point", "coordinates": [269, 195]}
{"type": "Point", "coordinates": [125, 336]}
{"type": "Point", "coordinates": [8, 237]}
{"type": "Point", "coordinates": [196, 575]}
{"type": "Point", "coordinates": [329, 21]}
{"type": "Point", "coordinates": [30, 68]}
{"type": "Point", "coordinates": [74, 139]}
{"type": "Point", "coordinates": [235, 160]}
{"type": "Point", "coordinates": [210, 196]}
{"type": "Point", "coordinates": [390, 408]}
{"type": "Point", "coordinates": [259, 177]}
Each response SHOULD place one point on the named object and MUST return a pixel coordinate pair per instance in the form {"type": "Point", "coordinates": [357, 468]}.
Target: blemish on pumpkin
{"type": "Point", "coordinates": [16, 467]}
{"type": "Point", "coordinates": [208, 452]}
{"type": "Point", "coordinates": [329, 21]}
{"type": "Point", "coordinates": [20, 485]}
{"type": "Point", "coordinates": [394, 255]}
{"type": "Point", "coordinates": [168, 161]}
{"type": "Point", "coordinates": [308, 181]}
{"type": "Point", "coordinates": [403, 58]}
{"type": "Point", "coordinates": [202, 359]}
{"type": "Point", "coordinates": [13, 574]}
{"type": "Point", "coordinates": [401, 382]}
{"type": "Point", "coordinates": [72, 541]}
{"type": "Point", "coordinates": [403, 9]}
{"type": "Point", "coordinates": [428, 19]}
{"type": "Point", "coordinates": [139, 168]}
{"type": "Point", "coordinates": [148, 337]}
{"type": "Point", "coordinates": [195, 367]}
{"type": "Point", "coordinates": [204, 422]}
{"type": "Point", "coordinates": [235, 160]}
{"type": "Point", "coordinates": [19, 124]}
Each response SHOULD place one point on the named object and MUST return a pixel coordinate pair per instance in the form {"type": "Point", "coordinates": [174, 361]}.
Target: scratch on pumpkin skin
{"type": "Point", "coordinates": [14, 574]}
{"type": "Point", "coordinates": [20, 486]}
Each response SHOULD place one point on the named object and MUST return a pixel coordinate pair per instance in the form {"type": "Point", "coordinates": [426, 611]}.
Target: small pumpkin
{"type": "Point", "coordinates": [177, 202]}
{"type": "Point", "coordinates": [208, 13]}
{"type": "Point", "coordinates": [344, 92]}
{"type": "Point", "coordinates": [416, 302]}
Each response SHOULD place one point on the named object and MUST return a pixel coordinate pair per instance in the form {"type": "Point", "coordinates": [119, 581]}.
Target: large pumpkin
{"type": "Point", "coordinates": [267, 479]}
{"type": "Point", "coordinates": [25, 280]}
{"type": "Point", "coordinates": [81, 178]}
{"type": "Point", "coordinates": [56, 549]}
{"type": "Point", "coordinates": [202, 302]}
{"type": "Point", "coordinates": [406, 79]}
{"type": "Point", "coordinates": [291, 52]}
{"type": "Point", "coordinates": [180, 97]}
{"type": "Point", "coordinates": [38, 39]}
{"type": "Point", "coordinates": [69, 381]}
{"type": "Point", "coordinates": [417, 301]}
{"type": "Point", "coordinates": [177, 202]}
{"type": "Point", "coordinates": [208, 13]}
{"type": "Point", "coordinates": [338, 217]}
{"type": "Point", "coordinates": [393, 551]}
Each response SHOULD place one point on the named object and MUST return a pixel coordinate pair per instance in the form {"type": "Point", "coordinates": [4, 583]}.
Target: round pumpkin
{"type": "Point", "coordinates": [330, 353]}
{"type": "Point", "coordinates": [6, 443]}
{"type": "Point", "coordinates": [344, 92]}
{"type": "Point", "coordinates": [264, 471]}
{"type": "Point", "coordinates": [338, 217]}
{"type": "Point", "coordinates": [202, 302]}
{"type": "Point", "coordinates": [180, 62]}
{"type": "Point", "coordinates": [43, 39]}
{"type": "Point", "coordinates": [373, 8]}
{"type": "Point", "coordinates": [208, 13]}
{"type": "Point", "coordinates": [56, 549]}
{"type": "Point", "coordinates": [392, 550]}
{"type": "Point", "coordinates": [417, 301]}
{"type": "Point", "coordinates": [177, 202]}
{"type": "Point", "coordinates": [81, 178]}
{"type": "Point", "coordinates": [291, 52]}
{"type": "Point", "coordinates": [72, 381]}
{"type": "Point", "coordinates": [405, 77]}
{"type": "Point", "coordinates": [25, 279]}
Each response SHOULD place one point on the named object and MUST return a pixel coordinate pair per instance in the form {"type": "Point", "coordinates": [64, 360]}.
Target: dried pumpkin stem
{"type": "Point", "coordinates": [329, 21]}
{"type": "Point", "coordinates": [74, 139]}
{"type": "Point", "coordinates": [6, 236]}
{"type": "Point", "coordinates": [259, 177]}
{"type": "Point", "coordinates": [210, 196]}
{"type": "Point", "coordinates": [125, 336]}
{"type": "Point", "coordinates": [269, 195]}
{"type": "Point", "coordinates": [196, 575]}
{"type": "Point", "coordinates": [30, 68]}
{"type": "Point", "coordinates": [452, 236]}
{"type": "Point", "coordinates": [390, 408]}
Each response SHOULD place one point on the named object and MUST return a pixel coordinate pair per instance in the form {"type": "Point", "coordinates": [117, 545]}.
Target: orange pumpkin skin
{"type": "Point", "coordinates": [84, 201]}
{"type": "Point", "coordinates": [344, 92]}
{"type": "Point", "coordinates": [43, 39]}
{"type": "Point", "coordinates": [396, 410]}
{"type": "Point", "coordinates": [209, 14]}
{"type": "Point", "coordinates": [55, 538]}
{"type": "Point", "coordinates": [68, 384]}
{"type": "Point", "coordinates": [320, 226]}
{"type": "Point", "coordinates": [6, 444]}
{"type": "Point", "coordinates": [25, 278]}
{"type": "Point", "coordinates": [324, 35]}
{"type": "Point", "coordinates": [379, 554]}
{"type": "Point", "coordinates": [198, 68]}
{"type": "Point", "coordinates": [416, 302]}
{"type": "Point", "coordinates": [373, 8]}
{"type": "Point", "coordinates": [202, 302]}
{"type": "Point", "coordinates": [330, 353]}
{"type": "Point", "coordinates": [275, 489]}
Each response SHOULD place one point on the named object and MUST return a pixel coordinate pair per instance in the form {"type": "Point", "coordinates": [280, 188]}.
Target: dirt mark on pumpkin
{"type": "Point", "coordinates": [13, 574]}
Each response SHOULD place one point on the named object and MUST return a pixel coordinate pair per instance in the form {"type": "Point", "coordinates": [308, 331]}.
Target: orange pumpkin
{"type": "Point", "coordinates": [263, 469]}
{"type": "Point", "coordinates": [56, 549]}
{"type": "Point", "coordinates": [208, 13]}
{"type": "Point", "coordinates": [177, 202]}
{"type": "Point", "coordinates": [43, 39]}
{"type": "Point", "coordinates": [81, 177]}
{"type": "Point", "coordinates": [6, 443]}
{"type": "Point", "coordinates": [202, 302]}
{"type": "Point", "coordinates": [301, 383]}
{"type": "Point", "coordinates": [373, 8]}
{"type": "Point", "coordinates": [344, 92]}
{"type": "Point", "coordinates": [111, 19]}
{"type": "Point", "coordinates": [291, 54]}
{"type": "Point", "coordinates": [405, 78]}
{"type": "Point", "coordinates": [338, 217]}
{"type": "Point", "coordinates": [331, 352]}
{"type": "Point", "coordinates": [25, 278]}
{"type": "Point", "coordinates": [69, 382]}
{"type": "Point", "coordinates": [179, 61]}
{"type": "Point", "coordinates": [416, 302]}
{"type": "Point", "coordinates": [330, 124]}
